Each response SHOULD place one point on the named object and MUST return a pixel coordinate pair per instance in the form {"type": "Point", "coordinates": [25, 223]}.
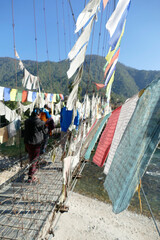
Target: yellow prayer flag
{"type": "Point", "coordinates": [54, 98]}
{"type": "Point", "coordinates": [13, 94]}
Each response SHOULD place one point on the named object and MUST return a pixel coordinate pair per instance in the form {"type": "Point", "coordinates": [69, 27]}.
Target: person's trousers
{"type": "Point", "coordinates": [34, 152]}
{"type": "Point", "coordinates": [44, 143]}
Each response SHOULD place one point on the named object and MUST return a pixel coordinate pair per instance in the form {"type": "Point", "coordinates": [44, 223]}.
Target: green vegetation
{"type": "Point", "coordinates": [53, 77]}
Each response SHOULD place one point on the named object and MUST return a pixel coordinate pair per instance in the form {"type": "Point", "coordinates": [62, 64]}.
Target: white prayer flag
{"type": "Point", "coordinates": [87, 13]}
{"type": "Point", "coordinates": [84, 38]}
{"type": "Point", "coordinates": [73, 95]}
{"type": "Point", "coordinates": [77, 61]}
{"type": "Point", "coordinates": [116, 16]}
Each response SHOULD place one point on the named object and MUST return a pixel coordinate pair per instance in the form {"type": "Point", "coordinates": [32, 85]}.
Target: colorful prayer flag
{"type": "Point", "coordinates": [116, 16]}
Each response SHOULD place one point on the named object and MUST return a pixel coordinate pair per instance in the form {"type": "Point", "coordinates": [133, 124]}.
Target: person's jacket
{"type": "Point", "coordinates": [34, 130]}
{"type": "Point", "coordinates": [50, 124]}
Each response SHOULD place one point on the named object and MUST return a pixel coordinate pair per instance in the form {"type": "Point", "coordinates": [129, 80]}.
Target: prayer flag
{"type": "Point", "coordinates": [96, 136]}
{"type": "Point", "coordinates": [111, 62]}
{"type": "Point", "coordinates": [19, 95]}
{"type": "Point", "coordinates": [111, 71]}
{"type": "Point", "coordinates": [99, 85]}
{"type": "Point", "coordinates": [7, 94]}
{"type": "Point", "coordinates": [105, 3]}
{"type": "Point", "coordinates": [111, 52]}
{"type": "Point", "coordinates": [83, 39]}
{"type": "Point", "coordinates": [73, 95]}
{"type": "Point", "coordinates": [135, 149]}
{"type": "Point", "coordinates": [121, 25]}
{"type": "Point", "coordinates": [106, 138]}
{"type": "Point", "coordinates": [13, 93]}
{"type": "Point", "coordinates": [24, 96]}
{"type": "Point", "coordinates": [109, 85]}
{"type": "Point", "coordinates": [51, 96]}
{"type": "Point", "coordinates": [16, 54]}
{"type": "Point", "coordinates": [54, 98]}
{"type": "Point", "coordinates": [61, 96]}
{"type": "Point", "coordinates": [1, 93]}
{"type": "Point", "coordinates": [34, 95]}
{"type": "Point", "coordinates": [77, 61]}
{"type": "Point", "coordinates": [125, 115]}
{"type": "Point", "coordinates": [29, 97]}
{"type": "Point", "coordinates": [116, 16]}
{"type": "Point", "coordinates": [87, 13]}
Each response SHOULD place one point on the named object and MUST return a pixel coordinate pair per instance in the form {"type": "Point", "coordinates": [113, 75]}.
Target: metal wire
{"type": "Point", "coordinates": [149, 207]}
{"type": "Point", "coordinates": [49, 68]}
{"type": "Point", "coordinates": [35, 34]}
{"type": "Point", "coordinates": [13, 25]}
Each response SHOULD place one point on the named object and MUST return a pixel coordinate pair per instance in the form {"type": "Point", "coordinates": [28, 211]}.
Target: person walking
{"type": "Point", "coordinates": [49, 123]}
{"type": "Point", "coordinates": [33, 137]}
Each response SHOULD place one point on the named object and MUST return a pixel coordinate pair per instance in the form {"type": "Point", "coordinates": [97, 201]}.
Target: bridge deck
{"type": "Point", "coordinates": [25, 207]}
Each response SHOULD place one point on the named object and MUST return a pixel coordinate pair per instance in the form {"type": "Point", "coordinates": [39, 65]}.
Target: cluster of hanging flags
{"type": "Point", "coordinates": [115, 26]}
{"type": "Point", "coordinates": [77, 53]}
{"type": "Point", "coordinates": [12, 94]}
{"type": "Point", "coordinates": [126, 146]}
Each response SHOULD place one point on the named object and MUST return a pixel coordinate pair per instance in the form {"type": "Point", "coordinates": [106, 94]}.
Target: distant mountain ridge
{"type": "Point", "coordinates": [128, 81]}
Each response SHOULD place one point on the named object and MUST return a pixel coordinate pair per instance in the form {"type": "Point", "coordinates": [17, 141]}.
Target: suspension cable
{"type": "Point", "coordinates": [35, 35]}
{"type": "Point", "coordinates": [99, 41]}
{"type": "Point", "coordinates": [72, 12]}
{"type": "Point", "coordinates": [105, 32]}
{"type": "Point", "coordinates": [58, 31]}
{"type": "Point", "coordinates": [69, 28]}
{"type": "Point", "coordinates": [100, 31]}
{"type": "Point", "coordinates": [14, 45]}
{"type": "Point", "coordinates": [90, 58]}
{"type": "Point", "coordinates": [64, 29]}
{"type": "Point", "coordinates": [46, 41]}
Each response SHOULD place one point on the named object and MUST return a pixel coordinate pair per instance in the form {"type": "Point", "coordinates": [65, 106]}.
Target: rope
{"type": "Point", "coordinates": [35, 35]}
{"type": "Point", "coordinates": [58, 31]}
{"type": "Point", "coordinates": [150, 210]}
{"type": "Point", "coordinates": [14, 45]}
{"type": "Point", "coordinates": [46, 40]}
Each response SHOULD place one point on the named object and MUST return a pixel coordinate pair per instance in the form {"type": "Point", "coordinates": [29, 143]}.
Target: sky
{"type": "Point", "coordinates": [139, 46]}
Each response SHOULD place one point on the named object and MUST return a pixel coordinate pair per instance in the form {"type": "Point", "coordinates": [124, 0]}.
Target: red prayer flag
{"type": "Point", "coordinates": [45, 95]}
{"type": "Point", "coordinates": [24, 96]}
{"type": "Point", "coordinates": [99, 85]}
{"type": "Point", "coordinates": [105, 3]}
{"type": "Point", "coordinates": [61, 96]}
{"type": "Point", "coordinates": [106, 138]}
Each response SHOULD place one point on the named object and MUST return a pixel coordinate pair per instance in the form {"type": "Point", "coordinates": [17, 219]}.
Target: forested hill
{"type": "Point", "coordinates": [128, 81]}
